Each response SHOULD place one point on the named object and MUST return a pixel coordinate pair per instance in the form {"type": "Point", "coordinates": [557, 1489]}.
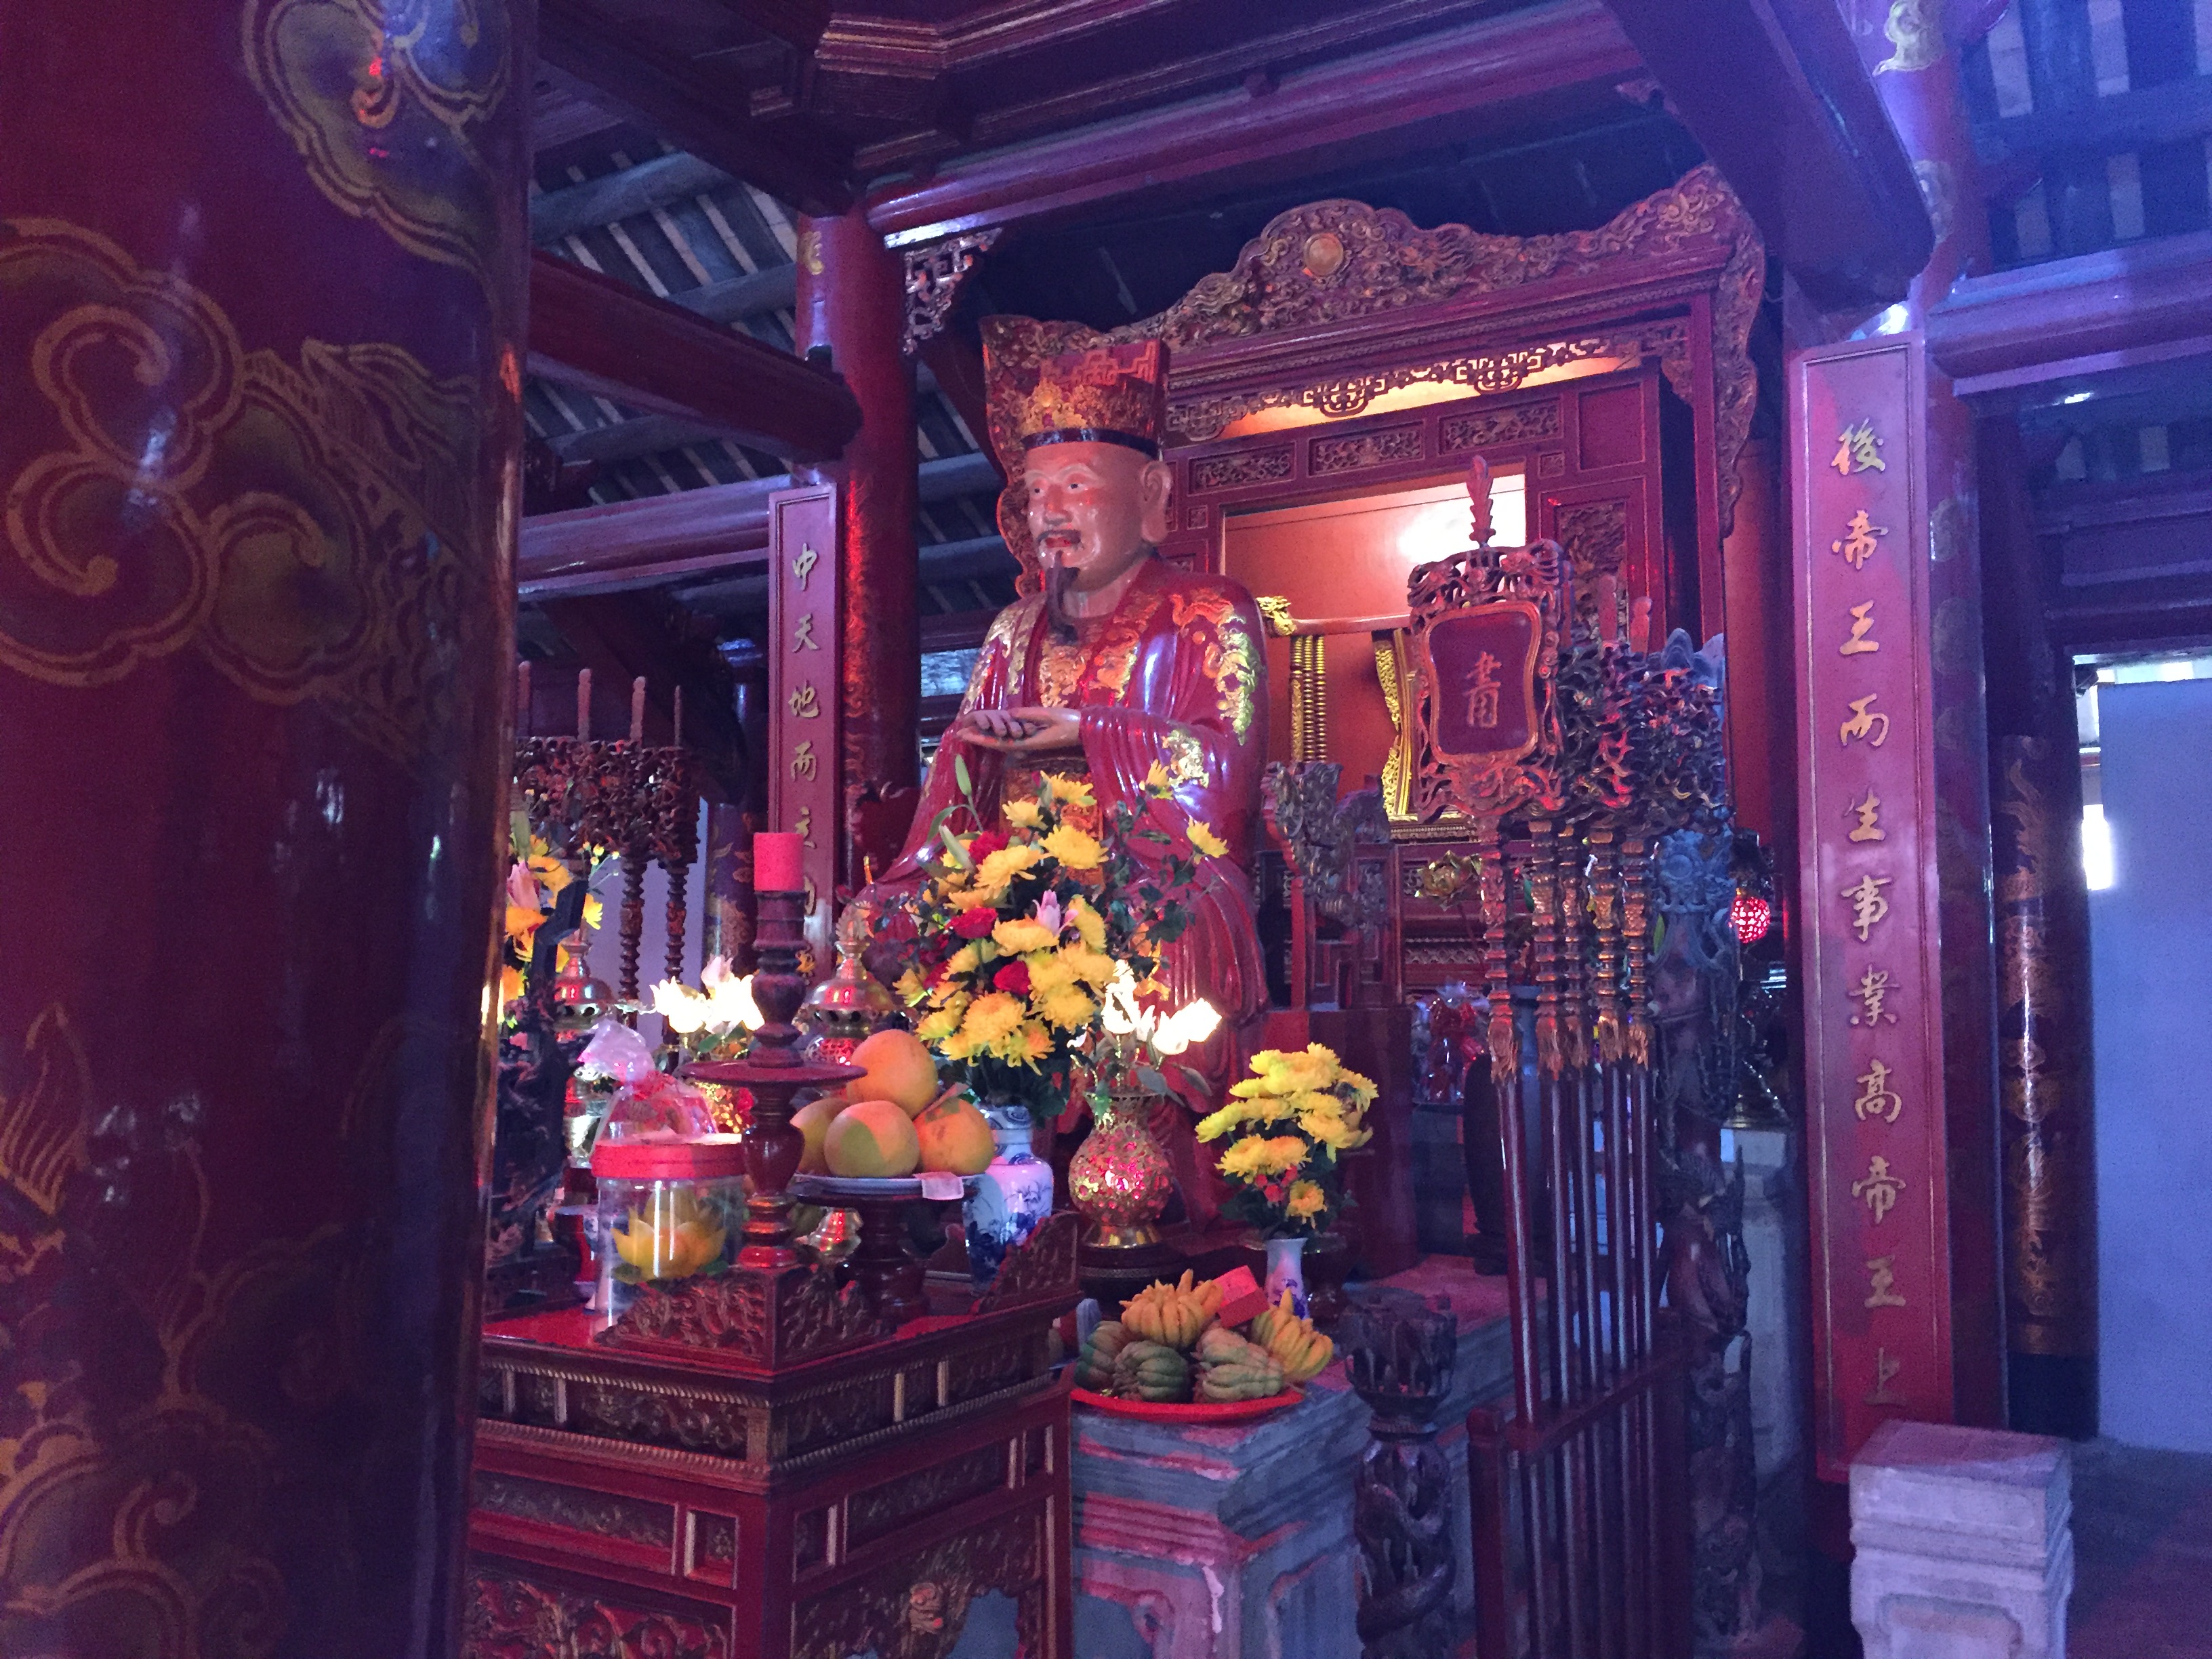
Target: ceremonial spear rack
{"type": "Point", "coordinates": [586, 795]}
{"type": "Point", "coordinates": [1570, 748]}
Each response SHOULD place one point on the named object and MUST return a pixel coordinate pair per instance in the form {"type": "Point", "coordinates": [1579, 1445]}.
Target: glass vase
{"type": "Point", "coordinates": [1119, 1179]}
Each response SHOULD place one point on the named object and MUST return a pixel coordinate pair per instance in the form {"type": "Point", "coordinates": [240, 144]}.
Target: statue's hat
{"type": "Point", "coordinates": [1114, 394]}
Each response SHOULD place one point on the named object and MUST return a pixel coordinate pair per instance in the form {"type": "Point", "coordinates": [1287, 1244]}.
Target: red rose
{"type": "Point", "coordinates": [985, 842]}
{"type": "Point", "coordinates": [976, 923]}
{"type": "Point", "coordinates": [1013, 977]}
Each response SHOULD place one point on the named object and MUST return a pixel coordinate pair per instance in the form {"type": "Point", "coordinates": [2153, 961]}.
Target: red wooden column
{"type": "Point", "coordinates": [1916, 71]}
{"type": "Point", "coordinates": [852, 298]}
{"type": "Point", "coordinates": [261, 280]}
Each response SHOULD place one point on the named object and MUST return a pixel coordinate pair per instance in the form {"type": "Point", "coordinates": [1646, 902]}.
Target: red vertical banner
{"type": "Point", "coordinates": [1873, 1029]}
{"type": "Point", "coordinates": [804, 737]}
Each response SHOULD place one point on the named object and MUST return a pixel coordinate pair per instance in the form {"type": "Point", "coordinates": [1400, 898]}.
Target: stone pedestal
{"type": "Point", "coordinates": [1217, 1543]}
{"type": "Point", "coordinates": [1963, 1541]}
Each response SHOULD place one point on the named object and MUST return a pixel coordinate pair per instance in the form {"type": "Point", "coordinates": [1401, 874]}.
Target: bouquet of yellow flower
{"type": "Point", "coordinates": [1017, 937]}
{"type": "Point", "coordinates": [1290, 1120]}
{"type": "Point", "coordinates": [535, 881]}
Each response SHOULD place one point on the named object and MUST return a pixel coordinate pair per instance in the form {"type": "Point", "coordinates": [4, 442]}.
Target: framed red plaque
{"type": "Point", "coordinates": [806, 754]}
{"type": "Point", "coordinates": [1881, 1278]}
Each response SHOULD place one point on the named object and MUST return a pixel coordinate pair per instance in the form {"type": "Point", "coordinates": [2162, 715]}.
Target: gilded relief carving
{"type": "Point", "coordinates": [601, 1514]}
{"type": "Point", "coordinates": [387, 102]}
{"type": "Point", "coordinates": [1595, 535]}
{"type": "Point", "coordinates": [916, 1605]}
{"type": "Point", "coordinates": [511, 1618]}
{"type": "Point", "coordinates": [308, 529]}
{"type": "Point", "coordinates": [1231, 471]}
{"type": "Point", "coordinates": [1327, 455]}
{"type": "Point", "coordinates": [1486, 427]}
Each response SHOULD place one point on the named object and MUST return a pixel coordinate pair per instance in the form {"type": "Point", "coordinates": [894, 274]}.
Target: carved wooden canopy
{"type": "Point", "coordinates": [1336, 303]}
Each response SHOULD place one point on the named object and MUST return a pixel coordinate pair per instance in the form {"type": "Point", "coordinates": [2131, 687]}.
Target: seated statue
{"type": "Point", "coordinates": [1112, 663]}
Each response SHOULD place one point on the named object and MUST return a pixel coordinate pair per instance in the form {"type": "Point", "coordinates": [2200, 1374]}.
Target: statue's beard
{"type": "Point", "coordinates": [1058, 578]}
{"type": "Point", "coordinates": [1058, 583]}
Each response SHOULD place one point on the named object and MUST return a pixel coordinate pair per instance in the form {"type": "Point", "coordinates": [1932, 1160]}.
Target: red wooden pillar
{"type": "Point", "coordinates": [1916, 72]}
{"type": "Point", "coordinates": [261, 285]}
{"type": "Point", "coordinates": [852, 298]}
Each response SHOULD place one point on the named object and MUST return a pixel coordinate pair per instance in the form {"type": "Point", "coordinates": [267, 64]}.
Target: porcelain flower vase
{"type": "Point", "coordinates": [1010, 1199]}
{"type": "Point", "coordinates": [1287, 1270]}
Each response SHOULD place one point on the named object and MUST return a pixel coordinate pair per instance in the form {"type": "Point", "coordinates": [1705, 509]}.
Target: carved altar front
{"type": "Point", "coordinates": [691, 1506]}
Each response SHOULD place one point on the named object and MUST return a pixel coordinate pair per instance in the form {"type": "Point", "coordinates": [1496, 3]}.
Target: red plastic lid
{"type": "Point", "coordinates": [710, 1158]}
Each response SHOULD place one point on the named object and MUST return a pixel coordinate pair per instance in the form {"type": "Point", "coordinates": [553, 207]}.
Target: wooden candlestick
{"type": "Point", "coordinates": [774, 1070]}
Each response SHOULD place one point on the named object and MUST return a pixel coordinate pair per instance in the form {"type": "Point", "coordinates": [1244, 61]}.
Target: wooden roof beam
{"type": "Point", "coordinates": [594, 332]}
{"type": "Point", "coordinates": [1776, 93]}
{"type": "Point", "coordinates": [2116, 308]}
{"type": "Point", "coordinates": [1422, 91]}
{"type": "Point", "coordinates": [665, 93]}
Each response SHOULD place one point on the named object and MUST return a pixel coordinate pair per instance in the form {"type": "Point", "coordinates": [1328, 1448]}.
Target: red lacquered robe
{"type": "Point", "coordinates": [1177, 675]}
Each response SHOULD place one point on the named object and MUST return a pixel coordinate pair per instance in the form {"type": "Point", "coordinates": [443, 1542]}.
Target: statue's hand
{"type": "Point", "coordinates": [1021, 731]}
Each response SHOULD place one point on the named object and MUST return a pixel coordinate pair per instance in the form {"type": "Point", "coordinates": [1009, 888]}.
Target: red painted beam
{"type": "Point", "coordinates": [2096, 311]}
{"type": "Point", "coordinates": [597, 550]}
{"type": "Point", "coordinates": [1776, 93]}
{"type": "Point", "coordinates": [591, 330]}
{"type": "Point", "coordinates": [1424, 90]}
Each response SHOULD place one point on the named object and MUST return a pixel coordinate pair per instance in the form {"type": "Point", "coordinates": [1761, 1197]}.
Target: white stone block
{"type": "Point", "coordinates": [1963, 1546]}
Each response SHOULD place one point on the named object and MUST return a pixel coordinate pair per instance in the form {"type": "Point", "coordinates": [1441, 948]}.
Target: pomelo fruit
{"type": "Point", "coordinates": [813, 1121]}
{"type": "Point", "coordinates": [898, 1067]}
{"type": "Point", "coordinates": [955, 1136]}
{"type": "Point", "coordinates": [872, 1138]}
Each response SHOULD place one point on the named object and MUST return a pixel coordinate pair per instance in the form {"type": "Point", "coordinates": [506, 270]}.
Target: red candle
{"type": "Point", "coordinates": [776, 863]}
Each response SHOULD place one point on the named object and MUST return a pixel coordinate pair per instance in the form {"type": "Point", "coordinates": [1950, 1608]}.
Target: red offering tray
{"type": "Point", "coordinates": [1195, 1412]}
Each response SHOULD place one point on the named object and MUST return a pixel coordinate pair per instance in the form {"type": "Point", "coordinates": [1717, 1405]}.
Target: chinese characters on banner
{"type": "Point", "coordinates": [1484, 665]}
{"type": "Point", "coordinates": [1873, 1009]}
{"type": "Point", "coordinates": [803, 744]}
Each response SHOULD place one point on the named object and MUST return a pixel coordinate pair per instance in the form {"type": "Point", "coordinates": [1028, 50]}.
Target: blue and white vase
{"type": "Point", "coordinates": [1012, 1199]}
{"type": "Point", "coordinates": [1286, 1271]}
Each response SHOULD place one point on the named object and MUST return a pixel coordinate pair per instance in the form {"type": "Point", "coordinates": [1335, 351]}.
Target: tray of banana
{"type": "Point", "coordinates": [1169, 1359]}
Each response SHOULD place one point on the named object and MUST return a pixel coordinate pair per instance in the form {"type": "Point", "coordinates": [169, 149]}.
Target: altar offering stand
{"type": "Point", "coordinates": [769, 1463]}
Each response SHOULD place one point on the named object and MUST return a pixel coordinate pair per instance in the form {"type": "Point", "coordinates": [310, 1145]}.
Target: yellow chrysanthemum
{"type": "Point", "coordinates": [1256, 1157]}
{"type": "Point", "coordinates": [991, 1018]}
{"type": "Point", "coordinates": [1074, 849]}
{"type": "Point", "coordinates": [939, 1025]}
{"type": "Point", "coordinates": [964, 899]}
{"type": "Point", "coordinates": [553, 872]}
{"type": "Point", "coordinates": [1027, 1046]}
{"type": "Point", "coordinates": [1093, 968]}
{"type": "Point", "coordinates": [1002, 867]}
{"type": "Point", "coordinates": [1090, 926]}
{"type": "Point", "coordinates": [1306, 1199]}
{"type": "Point", "coordinates": [1070, 792]}
{"type": "Point", "coordinates": [1363, 1089]}
{"type": "Point", "coordinates": [955, 1048]}
{"type": "Point", "coordinates": [1205, 840]}
{"type": "Point", "coordinates": [595, 911]}
{"type": "Point", "coordinates": [1214, 1125]}
{"type": "Point", "coordinates": [1048, 971]}
{"type": "Point", "coordinates": [966, 960]}
{"type": "Point", "coordinates": [1025, 814]}
{"type": "Point", "coordinates": [1157, 780]}
{"type": "Point", "coordinates": [911, 986]}
{"type": "Point", "coordinates": [946, 992]}
{"type": "Point", "coordinates": [1065, 1006]}
{"type": "Point", "coordinates": [1018, 935]}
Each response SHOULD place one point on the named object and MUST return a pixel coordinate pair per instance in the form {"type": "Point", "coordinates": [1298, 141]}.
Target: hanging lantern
{"type": "Point", "coordinates": [1751, 917]}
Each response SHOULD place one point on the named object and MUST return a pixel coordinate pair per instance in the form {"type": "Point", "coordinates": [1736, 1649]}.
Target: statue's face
{"type": "Point", "coordinates": [1095, 509]}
